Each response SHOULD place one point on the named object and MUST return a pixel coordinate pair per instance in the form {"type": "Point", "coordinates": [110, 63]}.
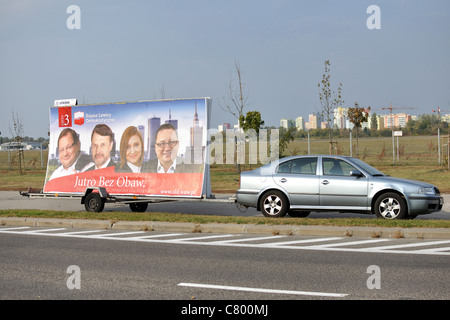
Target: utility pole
{"type": "Point", "coordinates": [391, 118]}
{"type": "Point", "coordinates": [392, 129]}
{"type": "Point", "coordinates": [439, 133]}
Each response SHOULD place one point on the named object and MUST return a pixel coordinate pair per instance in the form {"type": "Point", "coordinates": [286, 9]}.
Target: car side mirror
{"type": "Point", "coordinates": [356, 173]}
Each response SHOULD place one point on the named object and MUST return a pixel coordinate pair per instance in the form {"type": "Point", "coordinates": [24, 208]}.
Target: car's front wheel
{"type": "Point", "coordinates": [274, 204]}
{"type": "Point", "coordinates": [390, 206]}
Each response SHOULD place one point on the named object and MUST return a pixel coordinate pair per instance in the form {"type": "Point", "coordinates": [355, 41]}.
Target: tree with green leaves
{"type": "Point", "coordinates": [330, 100]}
{"type": "Point", "coordinates": [373, 122]}
{"type": "Point", "coordinates": [357, 115]}
{"type": "Point", "coordinates": [286, 136]}
{"type": "Point", "coordinates": [252, 120]}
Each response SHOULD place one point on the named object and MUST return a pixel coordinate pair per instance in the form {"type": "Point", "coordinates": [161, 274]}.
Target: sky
{"type": "Point", "coordinates": [152, 49]}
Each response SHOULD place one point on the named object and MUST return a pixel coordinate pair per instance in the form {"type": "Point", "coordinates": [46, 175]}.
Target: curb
{"type": "Point", "coordinates": [371, 232]}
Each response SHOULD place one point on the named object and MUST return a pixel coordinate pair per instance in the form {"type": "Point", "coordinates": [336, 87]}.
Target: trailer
{"type": "Point", "coordinates": [95, 198]}
{"type": "Point", "coordinates": [136, 153]}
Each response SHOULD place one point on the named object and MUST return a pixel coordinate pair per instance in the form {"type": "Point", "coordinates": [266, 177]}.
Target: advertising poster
{"type": "Point", "coordinates": [151, 148]}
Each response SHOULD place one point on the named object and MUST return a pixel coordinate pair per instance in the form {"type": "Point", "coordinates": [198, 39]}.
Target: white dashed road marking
{"type": "Point", "coordinates": [261, 290]}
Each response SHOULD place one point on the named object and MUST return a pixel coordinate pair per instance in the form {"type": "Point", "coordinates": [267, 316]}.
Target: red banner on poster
{"type": "Point", "coordinates": [175, 184]}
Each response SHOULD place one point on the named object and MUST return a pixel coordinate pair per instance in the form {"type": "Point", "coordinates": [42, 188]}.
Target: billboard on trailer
{"type": "Point", "coordinates": [148, 148]}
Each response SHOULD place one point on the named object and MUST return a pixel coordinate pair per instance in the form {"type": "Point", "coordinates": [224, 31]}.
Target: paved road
{"type": "Point", "coordinates": [13, 200]}
{"type": "Point", "coordinates": [34, 264]}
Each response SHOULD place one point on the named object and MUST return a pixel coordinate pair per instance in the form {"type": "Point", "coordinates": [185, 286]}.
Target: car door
{"type": "Point", "coordinates": [298, 177]}
{"type": "Point", "coordinates": [339, 189]}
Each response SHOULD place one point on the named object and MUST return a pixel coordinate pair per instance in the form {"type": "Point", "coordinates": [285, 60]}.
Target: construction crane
{"type": "Point", "coordinates": [397, 108]}
{"type": "Point", "coordinates": [439, 112]}
{"type": "Point", "coordinates": [394, 108]}
{"type": "Point", "coordinates": [391, 120]}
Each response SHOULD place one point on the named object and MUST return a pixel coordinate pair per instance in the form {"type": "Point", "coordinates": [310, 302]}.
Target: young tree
{"type": "Point", "coordinates": [373, 122]}
{"type": "Point", "coordinates": [286, 136]}
{"type": "Point", "coordinates": [236, 99]}
{"type": "Point", "coordinates": [357, 115]}
{"type": "Point", "coordinates": [17, 137]}
{"type": "Point", "coordinates": [329, 100]}
{"type": "Point", "coordinates": [234, 103]}
{"type": "Point", "coordinates": [252, 120]}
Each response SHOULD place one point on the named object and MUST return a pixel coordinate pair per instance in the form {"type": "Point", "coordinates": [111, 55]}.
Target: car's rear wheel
{"type": "Point", "coordinates": [274, 204]}
{"type": "Point", "coordinates": [390, 206]}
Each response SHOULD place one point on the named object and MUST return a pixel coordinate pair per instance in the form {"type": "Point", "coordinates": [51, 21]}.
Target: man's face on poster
{"type": "Point", "coordinates": [101, 149]}
{"type": "Point", "coordinates": [166, 146]}
{"type": "Point", "coordinates": [68, 150]}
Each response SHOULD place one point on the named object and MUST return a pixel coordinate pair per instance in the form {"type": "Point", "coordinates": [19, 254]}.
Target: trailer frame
{"type": "Point", "coordinates": [95, 198]}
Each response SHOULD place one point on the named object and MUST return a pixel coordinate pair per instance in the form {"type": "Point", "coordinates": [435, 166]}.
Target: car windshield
{"type": "Point", "coordinates": [369, 169]}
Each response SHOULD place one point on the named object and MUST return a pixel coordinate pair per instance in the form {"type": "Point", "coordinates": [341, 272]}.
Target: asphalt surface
{"type": "Point", "coordinates": [37, 264]}
{"type": "Point", "coordinates": [13, 200]}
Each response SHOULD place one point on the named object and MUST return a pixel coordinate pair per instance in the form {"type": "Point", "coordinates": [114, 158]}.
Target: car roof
{"type": "Point", "coordinates": [284, 159]}
{"type": "Point", "coordinates": [313, 155]}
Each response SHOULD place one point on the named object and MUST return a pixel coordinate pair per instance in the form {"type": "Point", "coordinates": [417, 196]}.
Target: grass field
{"type": "Point", "coordinates": [418, 160]}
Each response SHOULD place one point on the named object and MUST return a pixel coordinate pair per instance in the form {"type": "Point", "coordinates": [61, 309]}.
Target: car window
{"type": "Point", "coordinates": [284, 167]}
{"type": "Point", "coordinates": [304, 166]}
{"type": "Point", "coordinates": [369, 169]}
{"type": "Point", "coordinates": [336, 167]}
{"type": "Point", "coordinates": [299, 166]}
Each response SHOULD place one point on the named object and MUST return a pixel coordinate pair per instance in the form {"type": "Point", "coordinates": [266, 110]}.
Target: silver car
{"type": "Point", "coordinates": [298, 185]}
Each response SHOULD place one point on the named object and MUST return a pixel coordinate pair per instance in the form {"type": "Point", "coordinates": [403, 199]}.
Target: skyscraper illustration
{"type": "Point", "coordinates": [194, 152]}
{"type": "Point", "coordinates": [153, 125]}
{"type": "Point", "coordinates": [172, 121]}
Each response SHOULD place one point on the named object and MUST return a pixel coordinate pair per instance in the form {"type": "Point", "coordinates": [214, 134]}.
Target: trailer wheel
{"type": "Point", "coordinates": [94, 203]}
{"type": "Point", "coordinates": [138, 206]}
{"type": "Point", "coordinates": [298, 214]}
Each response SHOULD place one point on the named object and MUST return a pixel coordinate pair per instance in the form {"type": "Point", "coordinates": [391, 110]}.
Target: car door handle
{"type": "Point", "coordinates": [283, 180]}
{"type": "Point", "coordinates": [325, 182]}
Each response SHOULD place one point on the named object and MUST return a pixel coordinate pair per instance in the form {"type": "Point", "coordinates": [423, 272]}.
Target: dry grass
{"type": "Point", "coordinates": [418, 160]}
{"type": "Point", "coordinates": [398, 234]}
